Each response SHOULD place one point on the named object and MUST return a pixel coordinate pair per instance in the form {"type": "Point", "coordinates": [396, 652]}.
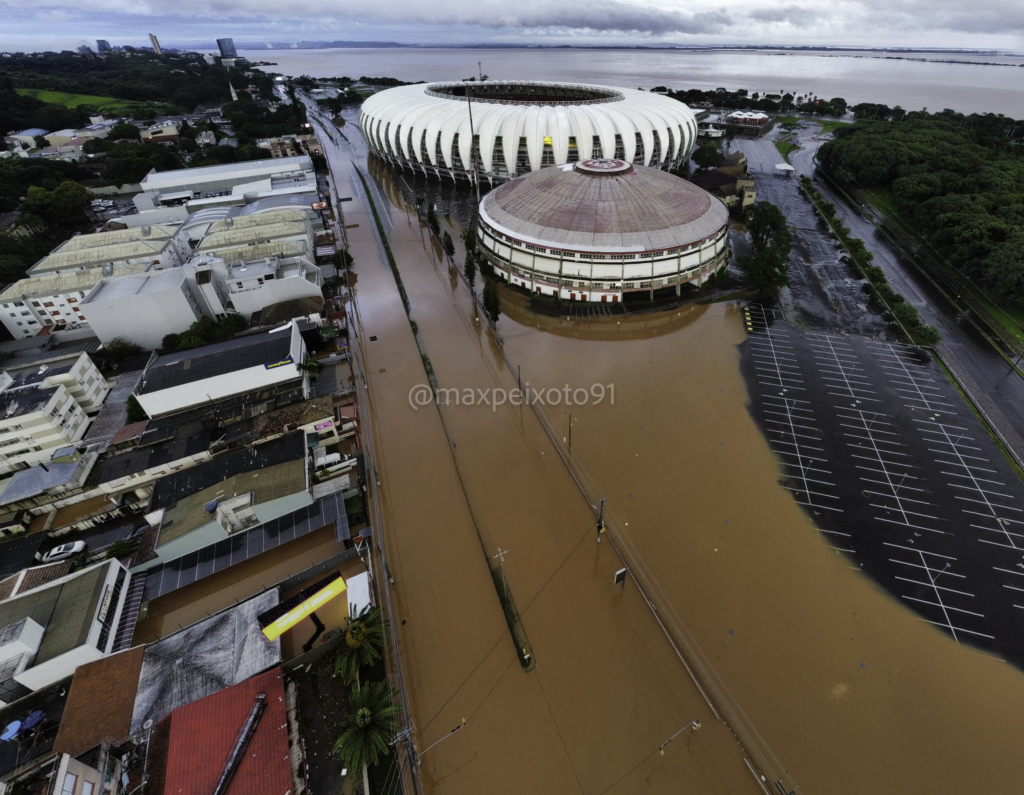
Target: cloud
{"type": "Point", "coordinates": [798, 16]}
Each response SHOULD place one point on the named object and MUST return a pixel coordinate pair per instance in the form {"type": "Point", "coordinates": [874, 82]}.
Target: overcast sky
{"type": "Point", "coordinates": [61, 24]}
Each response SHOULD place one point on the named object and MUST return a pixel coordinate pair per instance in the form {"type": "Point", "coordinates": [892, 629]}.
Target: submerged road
{"type": "Point", "coordinates": [608, 689]}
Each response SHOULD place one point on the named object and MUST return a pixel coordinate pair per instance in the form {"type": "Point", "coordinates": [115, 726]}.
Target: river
{"type": "Point", "coordinates": [912, 81]}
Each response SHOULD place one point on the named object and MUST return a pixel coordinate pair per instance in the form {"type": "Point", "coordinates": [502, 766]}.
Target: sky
{"type": "Point", "coordinates": [954, 24]}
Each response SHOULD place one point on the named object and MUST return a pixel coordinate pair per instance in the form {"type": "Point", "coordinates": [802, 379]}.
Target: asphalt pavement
{"type": "Point", "coordinates": [826, 286]}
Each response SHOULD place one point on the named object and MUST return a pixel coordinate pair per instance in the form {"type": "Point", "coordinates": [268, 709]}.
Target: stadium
{"type": "Point", "coordinates": [599, 229]}
{"type": "Point", "coordinates": [522, 127]}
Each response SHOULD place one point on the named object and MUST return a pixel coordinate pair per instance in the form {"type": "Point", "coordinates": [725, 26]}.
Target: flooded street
{"type": "Point", "coordinates": [778, 624]}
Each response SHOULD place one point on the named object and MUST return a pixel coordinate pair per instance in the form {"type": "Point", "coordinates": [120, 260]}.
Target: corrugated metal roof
{"type": "Point", "coordinates": [80, 242]}
{"type": "Point", "coordinates": [255, 233]}
{"type": "Point", "coordinates": [99, 255]}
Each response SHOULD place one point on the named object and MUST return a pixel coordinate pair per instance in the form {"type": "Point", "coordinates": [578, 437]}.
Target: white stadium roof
{"type": "Point", "coordinates": [427, 127]}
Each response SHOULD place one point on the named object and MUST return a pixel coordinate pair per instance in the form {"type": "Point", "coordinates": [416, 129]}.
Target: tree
{"type": "Point", "coordinates": [767, 271]}
{"type": "Point", "coordinates": [12, 268]}
{"type": "Point", "coordinates": [470, 269]}
{"type": "Point", "coordinates": [767, 226]}
{"type": "Point", "coordinates": [447, 244]}
{"type": "Point", "coordinates": [369, 725]}
{"type": "Point", "coordinates": [432, 219]}
{"type": "Point", "coordinates": [124, 130]}
{"type": "Point", "coordinates": [134, 409]}
{"type": "Point", "coordinates": [492, 301]}
{"type": "Point", "coordinates": [707, 156]}
{"type": "Point", "coordinates": [342, 259]}
{"type": "Point", "coordinates": [120, 349]}
{"type": "Point", "coordinates": [364, 642]}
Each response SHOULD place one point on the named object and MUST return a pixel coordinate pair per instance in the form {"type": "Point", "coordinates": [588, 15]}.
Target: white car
{"type": "Point", "coordinates": [63, 551]}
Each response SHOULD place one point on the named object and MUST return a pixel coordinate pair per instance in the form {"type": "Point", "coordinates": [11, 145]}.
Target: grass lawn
{"type": "Point", "coordinates": [70, 100]}
{"type": "Point", "coordinates": [832, 126]}
{"type": "Point", "coordinates": [785, 147]}
{"type": "Point", "coordinates": [787, 120]}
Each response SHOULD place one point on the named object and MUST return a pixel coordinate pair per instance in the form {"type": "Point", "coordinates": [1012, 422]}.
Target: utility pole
{"type": "Point", "coordinates": [570, 432]}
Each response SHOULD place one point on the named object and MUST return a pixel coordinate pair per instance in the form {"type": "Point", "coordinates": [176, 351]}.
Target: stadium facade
{"type": "Point", "coordinates": [598, 229]}
{"type": "Point", "coordinates": [522, 127]}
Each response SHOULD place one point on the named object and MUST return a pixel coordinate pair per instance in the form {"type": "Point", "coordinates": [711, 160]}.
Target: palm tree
{"type": "Point", "coordinates": [364, 641]}
{"type": "Point", "coordinates": [369, 725]}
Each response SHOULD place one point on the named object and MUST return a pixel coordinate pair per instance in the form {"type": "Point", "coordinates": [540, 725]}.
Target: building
{"type": "Point", "coordinates": [60, 137]}
{"type": "Point", "coordinates": [100, 703]}
{"type": "Point", "coordinates": [157, 246]}
{"type": "Point", "coordinates": [102, 46]}
{"type": "Point", "coordinates": [195, 745]}
{"type": "Point", "coordinates": [44, 409]}
{"type": "Point", "coordinates": [27, 137]}
{"type": "Point", "coordinates": [206, 138]}
{"type": "Point", "coordinates": [227, 48]}
{"type": "Point", "coordinates": [599, 229]}
{"type": "Point", "coordinates": [216, 185]}
{"type": "Point", "coordinates": [48, 631]}
{"type": "Point", "coordinates": [30, 306]}
{"type": "Point", "coordinates": [734, 191]}
{"type": "Point", "coordinates": [146, 307]}
{"type": "Point", "coordinates": [523, 127]}
{"type": "Point", "coordinates": [72, 151]}
{"type": "Point", "coordinates": [231, 237]}
{"type": "Point", "coordinates": [252, 364]}
{"type": "Point", "coordinates": [246, 489]}
{"type": "Point", "coordinates": [160, 132]}
{"type": "Point", "coordinates": [156, 44]}
{"type": "Point", "coordinates": [290, 145]}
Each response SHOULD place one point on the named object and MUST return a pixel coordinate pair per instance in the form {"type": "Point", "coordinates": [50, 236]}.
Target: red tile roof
{"type": "Point", "coordinates": [200, 737]}
{"type": "Point", "coordinates": [100, 703]}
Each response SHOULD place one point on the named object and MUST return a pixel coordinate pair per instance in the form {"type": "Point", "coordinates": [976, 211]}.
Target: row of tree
{"type": "Point", "coordinates": [955, 182]}
{"type": "Point", "coordinates": [767, 271]}
{"type": "Point", "coordinates": [857, 254]}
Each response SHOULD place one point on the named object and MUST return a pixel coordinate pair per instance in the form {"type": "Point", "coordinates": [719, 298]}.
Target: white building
{"type": "Point", "coordinates": [47, 631]}
{"type": "Point", "coordinates": [248, 365]}
{"type": "Point", "coordinates": [520, 127]}
{"type": "Point", "coordinates": [146, 307]}
{"type": "Point", "coordinates": [158, 246]}
{"type": "Point", "coordinates": [599, 229]}
{"type": "Point", "coordinates": [30, 305]}
{"type": "Point", "coordinates": [228, 238]}
{"type": "Point", "coordinates": [46, 408]}
{"type": "Point", "coordinates": [211, 184]}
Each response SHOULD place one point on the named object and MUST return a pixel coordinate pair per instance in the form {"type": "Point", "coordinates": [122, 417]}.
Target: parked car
{"type": "Point", "coordinates": [63, 551]}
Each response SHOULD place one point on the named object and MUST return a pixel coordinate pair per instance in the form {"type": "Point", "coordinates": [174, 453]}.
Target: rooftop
{"type": "Point", "coordinates": [266, 425]}
{"type": "Point", "coordinates": [154, 232]}
{"type": "Point", "coordinates": [278, 248]}
{"type": "Point", "coordinates": [180, 485]}
{"type": "Point", "coordinates": [35, 480]}
{"type": "Point", "coordinates": [62, 283]}
{"type": "Point", "coordinates": [159, 180]}
{"type": "Point", "coordinates": [117, 288]}
{"type": "Point", "coordinates": [604, 205]}
{"type": "Point", "coordinates": [97, 256]}
{"type": "Point", "coordinates": [65, 609]}
{"type": "Point", "coordinates": [20, 402]}
{"type": "Point", "coordinates": [194, 742]}
{"type": "Point", "coordinates": [100, 703]}
{"type": "Point", "coordinates": [204, 658]}
{"type": "Point", "coordinates": [267, 227]}
{"type": "Point", "coordinates": [220, 358]}
{"type": "Point", "coordinates": [269, 483]}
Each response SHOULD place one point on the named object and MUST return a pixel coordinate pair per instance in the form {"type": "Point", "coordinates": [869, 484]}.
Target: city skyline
{"type": "Point", "coordinates": [949, 24]}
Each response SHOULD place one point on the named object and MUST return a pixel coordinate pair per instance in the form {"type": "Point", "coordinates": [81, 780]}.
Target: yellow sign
{"type": "Point", "coordinates": [279, 626]}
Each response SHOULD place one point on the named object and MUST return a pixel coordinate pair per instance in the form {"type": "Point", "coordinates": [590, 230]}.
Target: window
{"type": "Point", "coordinates": [87, 788]}
{"type": "Point", "coordinates": [70, 780]}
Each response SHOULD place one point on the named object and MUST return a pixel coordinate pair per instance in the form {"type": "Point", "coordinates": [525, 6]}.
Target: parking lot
{"type": "Point", "coordinates": [896, 472]}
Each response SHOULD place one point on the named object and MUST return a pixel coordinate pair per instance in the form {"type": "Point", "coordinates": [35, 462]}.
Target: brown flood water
{"type": "Point", "coordinates": [693, 492]}
{"type": "Point", "coordinates": [692, 488]}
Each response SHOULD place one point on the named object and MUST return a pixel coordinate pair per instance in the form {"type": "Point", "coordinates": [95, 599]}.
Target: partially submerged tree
{"type": "Point", "coordinates": [369, 725]}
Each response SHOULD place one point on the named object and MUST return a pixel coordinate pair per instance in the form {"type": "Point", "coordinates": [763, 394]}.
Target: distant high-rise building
{"type": "Point", "coordinates": [102, 45]}
{"type": "Point", "coordinates": [156, 44]}
{"type": "Point", "coordinates": [85, 49]}
{"type": "Point", "coordinates": [227, 48]}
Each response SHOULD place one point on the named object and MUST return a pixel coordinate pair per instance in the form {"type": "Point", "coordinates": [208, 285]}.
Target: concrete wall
{"type": "Point", "coordinates": [145, 318]}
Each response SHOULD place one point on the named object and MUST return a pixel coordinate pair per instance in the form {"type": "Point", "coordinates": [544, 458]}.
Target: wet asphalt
{"type": "Point", "coordinates": [896, 472]}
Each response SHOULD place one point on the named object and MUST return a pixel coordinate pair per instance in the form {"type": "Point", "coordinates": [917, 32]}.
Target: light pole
{"type": "Point", "coordinates": [419, 756]}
